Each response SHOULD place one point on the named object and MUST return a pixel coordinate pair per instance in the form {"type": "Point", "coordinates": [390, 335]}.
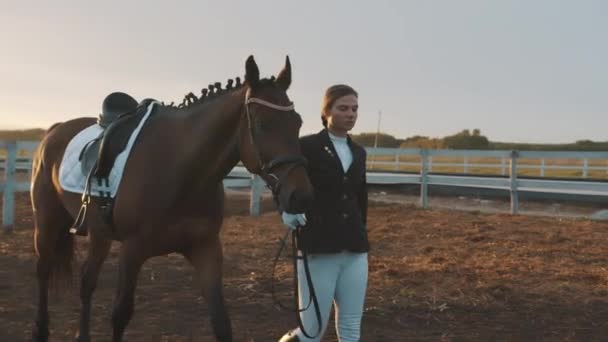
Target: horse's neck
{"type": "Point", "coordinates": [212, 135]}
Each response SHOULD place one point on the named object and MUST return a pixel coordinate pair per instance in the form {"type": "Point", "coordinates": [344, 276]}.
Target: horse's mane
{"type": "Point", "coordinates": [213, 91]}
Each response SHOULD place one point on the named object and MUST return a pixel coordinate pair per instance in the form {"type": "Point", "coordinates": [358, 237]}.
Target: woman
{"type": "Point", "coordinates": [334, 232]}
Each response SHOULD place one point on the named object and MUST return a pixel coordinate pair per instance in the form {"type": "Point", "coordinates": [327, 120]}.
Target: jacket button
{"type": "Point", "coordinates": [346, 178]}
{"type": "Point", "coordinates": [345, 197]}
{"type": "Point", "coordinates": [345, 215]}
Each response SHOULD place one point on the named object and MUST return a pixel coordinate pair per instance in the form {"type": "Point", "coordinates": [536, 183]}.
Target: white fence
{"type": "Point", "coordinates": [240, 177]}
{"type": "Point", "coordinates": [509, 166]}
{"type": "Point", "coordinates": [582, 162]}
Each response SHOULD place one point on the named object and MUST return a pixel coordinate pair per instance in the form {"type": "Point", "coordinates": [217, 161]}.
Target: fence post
{"type": "Point", "coordinates": [503, 166]}
{"type": "Point", "coordinates": [585, 167]}
{"type": "Point", "coordinates": [8, 205]}
{"type": "Point", "coordinates": [424, 159]}
{"type": "Point", "coordinates": [513, 186]}
{"type": "Point", "coordinates": [430, 164]}
{"type": "Point", "coordinates": [466, 165]}
{"type": "Point", "coordinates": [255, 199]}
{"type": "Point", "coordinates": [542, 167]}
{"type": "Point", "coordinates": [397, 161]}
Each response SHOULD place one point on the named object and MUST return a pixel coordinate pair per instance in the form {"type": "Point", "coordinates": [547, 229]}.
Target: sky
{"type": "Point", "coordinates": [518, 70]}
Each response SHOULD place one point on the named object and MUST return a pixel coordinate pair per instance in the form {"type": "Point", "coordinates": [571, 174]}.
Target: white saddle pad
{"type": "Point", "coordinates": [71, 177]}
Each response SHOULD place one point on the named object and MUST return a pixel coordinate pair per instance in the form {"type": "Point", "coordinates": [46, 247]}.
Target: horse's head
{"type": "Point", "coordinates": [269, 133]}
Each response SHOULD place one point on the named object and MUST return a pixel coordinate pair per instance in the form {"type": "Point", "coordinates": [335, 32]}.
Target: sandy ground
{"type": "Point", "coordinates": [435, 275]}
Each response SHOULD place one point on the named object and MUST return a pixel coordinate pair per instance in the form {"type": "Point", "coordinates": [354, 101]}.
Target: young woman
{"type": "Point", "coordinates": [334, 232]}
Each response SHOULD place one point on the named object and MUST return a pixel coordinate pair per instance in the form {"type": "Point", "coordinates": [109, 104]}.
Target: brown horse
{"type": "Point", "coordinates": [171, 196]}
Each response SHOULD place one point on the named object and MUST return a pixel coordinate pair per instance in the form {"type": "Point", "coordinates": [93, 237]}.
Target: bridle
{"type": "Point", "coordinates": [273, 180]}
{"type": "Point", "coordinates": [274, 183]}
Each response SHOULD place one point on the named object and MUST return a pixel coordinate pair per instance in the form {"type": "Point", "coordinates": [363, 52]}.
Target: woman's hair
{"type": "Point", "coordinates": [331, 95]}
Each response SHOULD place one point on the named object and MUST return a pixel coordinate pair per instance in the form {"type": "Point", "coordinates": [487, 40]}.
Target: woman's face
{"type": "Point", "coordinates": [342, 115]}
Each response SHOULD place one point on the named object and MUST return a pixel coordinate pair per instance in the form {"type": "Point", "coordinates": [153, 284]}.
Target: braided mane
{"type": "Point", "coordinates": [212, 91]}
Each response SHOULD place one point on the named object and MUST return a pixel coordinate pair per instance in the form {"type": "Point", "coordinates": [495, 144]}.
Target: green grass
{"type": "Point", "coordinates": [475, 170]}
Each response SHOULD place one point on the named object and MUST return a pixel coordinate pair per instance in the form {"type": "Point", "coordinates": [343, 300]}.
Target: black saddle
{"type": "Point", "coordinates": [115, 105]}
{"type": "Point", "coordinates": [120, 116]}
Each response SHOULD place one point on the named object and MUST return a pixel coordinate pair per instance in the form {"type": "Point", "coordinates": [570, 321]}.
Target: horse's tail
{"type": "Point", "coordinates": [61, 269]}
{"type": "Point", "coordinates": [53, 244]}
{"type": "Point", "coordinates": [55, 256]}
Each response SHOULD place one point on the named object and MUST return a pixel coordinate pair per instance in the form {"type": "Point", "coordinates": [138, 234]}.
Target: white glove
{"type": "Point", "coordinates": [292, 221]}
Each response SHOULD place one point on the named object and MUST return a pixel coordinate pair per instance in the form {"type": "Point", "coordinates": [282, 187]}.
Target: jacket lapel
{"type": "Point", "coordinates": [329, 150]}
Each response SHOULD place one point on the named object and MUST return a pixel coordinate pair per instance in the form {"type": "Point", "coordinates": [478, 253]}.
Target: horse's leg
{"type": "Point", "coordinates": [54, 249]}
{"type": "Point", "coordinates": [97, 253]}
{"type": "Point", "coordinates": [40, 332]}
{"type": "Point", "coordinates": [129, 264]}
{"type": "Point", "coordinates": [207, 260]}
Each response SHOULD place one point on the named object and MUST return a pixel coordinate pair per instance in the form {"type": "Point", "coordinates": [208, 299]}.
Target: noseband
{"type": "Point", "coordinates": [273, 181]}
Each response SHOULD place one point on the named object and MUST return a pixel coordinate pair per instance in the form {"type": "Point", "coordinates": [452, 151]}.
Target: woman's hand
{"type": "Point", "coordinates": [292, 221]}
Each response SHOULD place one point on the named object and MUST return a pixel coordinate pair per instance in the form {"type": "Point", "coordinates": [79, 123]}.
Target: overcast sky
{"type": "Point", "coordinates": [519, 70]}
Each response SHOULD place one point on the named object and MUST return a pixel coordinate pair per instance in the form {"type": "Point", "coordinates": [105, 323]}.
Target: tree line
{"type": "Point", "coordinates": [465, 139]}
{"type": "Point", "coordinates": [471, 140]}
{"type": "Point", "coordinates": [33, 134]}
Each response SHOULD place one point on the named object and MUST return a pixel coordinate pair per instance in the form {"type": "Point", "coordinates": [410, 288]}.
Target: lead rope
{"type": "Point", "coordinates": [312, 296]}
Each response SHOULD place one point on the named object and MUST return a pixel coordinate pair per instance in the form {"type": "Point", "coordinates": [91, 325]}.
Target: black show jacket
{"type": "Point", "coordinates": [337, 218]}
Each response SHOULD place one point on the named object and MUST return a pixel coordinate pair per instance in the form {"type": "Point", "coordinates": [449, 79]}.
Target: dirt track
{"type": "Point", "coordinates": [434, 275]}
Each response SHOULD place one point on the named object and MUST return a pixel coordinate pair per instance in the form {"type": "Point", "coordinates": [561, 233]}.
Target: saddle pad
{"type": "Point", "coordinates": [71, 177]}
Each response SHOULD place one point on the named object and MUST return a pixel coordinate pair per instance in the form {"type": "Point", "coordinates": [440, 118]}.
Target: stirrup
{"type": "Point", "coordinates": [79, 227]}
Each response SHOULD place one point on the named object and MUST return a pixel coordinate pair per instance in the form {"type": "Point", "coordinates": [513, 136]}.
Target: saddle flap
{"type": "Point", "coordinates": [88, 155]}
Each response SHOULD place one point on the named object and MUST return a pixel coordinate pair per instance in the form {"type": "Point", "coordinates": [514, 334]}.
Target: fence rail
{"type": "Point", "coordinates": [16, 155]}
{"type": "Point", "coordinates": [582, 165]}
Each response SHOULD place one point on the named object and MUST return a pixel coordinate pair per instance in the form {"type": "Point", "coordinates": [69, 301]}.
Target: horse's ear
{"type": "Point", "coordinates": [284, 78]}
{"type": "Point", "coordinates": [252, 73]}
